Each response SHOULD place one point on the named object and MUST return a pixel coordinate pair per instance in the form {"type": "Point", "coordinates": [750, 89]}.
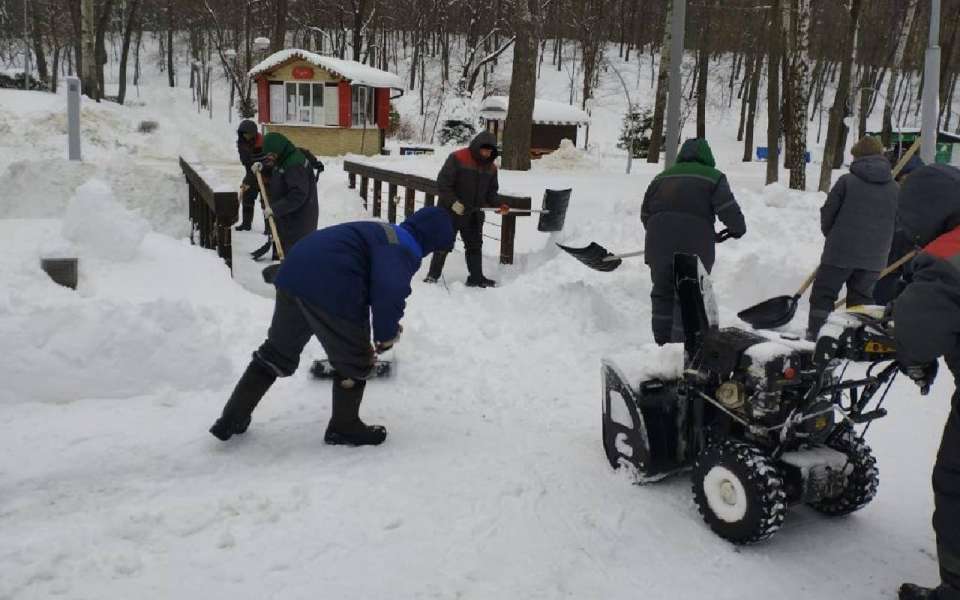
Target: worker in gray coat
{"type": "Point", "coordinates": [858, 222]}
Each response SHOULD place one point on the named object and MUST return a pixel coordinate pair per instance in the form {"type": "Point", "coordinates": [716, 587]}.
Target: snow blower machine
{"type": "Point", "coordinates": [760, 420]}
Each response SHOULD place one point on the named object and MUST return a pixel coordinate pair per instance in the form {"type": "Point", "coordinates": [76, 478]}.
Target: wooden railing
{"type": "Point", "coordinates": [428, 187]}
{"type": "Point", "coordinates": [211, 214]}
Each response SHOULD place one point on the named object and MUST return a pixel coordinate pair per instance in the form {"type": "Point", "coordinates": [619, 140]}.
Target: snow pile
{"type": "Point", "coordinates": [648, 362]}
{"type": "Point", "coordinates": [99, 226]}
{"type": "Point", "coordinates": [565, 158]}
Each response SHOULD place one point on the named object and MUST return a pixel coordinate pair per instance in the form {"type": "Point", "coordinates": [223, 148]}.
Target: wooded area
{"type": "Point", "coordinates": [871, 52]}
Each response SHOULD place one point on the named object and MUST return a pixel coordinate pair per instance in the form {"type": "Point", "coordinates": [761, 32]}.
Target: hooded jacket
{"type": "Point", "coordinates": [927, 314]}
{"type": "Point", "coordinates": [293, 191]}
{"type": "Point", "coordinates": [466, 177]}
{"type": "Point", "coordinates": [859, 216]}
{"type": "Point", "coordinates": [250, 151]}
{"type": "Point", "coordinates": [682, 204]}
{"type": "Point", "coordinates": [362, 270]}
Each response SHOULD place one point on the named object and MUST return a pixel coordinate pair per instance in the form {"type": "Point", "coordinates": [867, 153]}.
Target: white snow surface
{"type": "Point", "coordinates": [99, 226]}
{"type": "Point", "coordinates": [547, 112]}
{"type": "Point", "coordinates": [648, 362]}
{"type": "Point", "coordinates": [493, 482]}
{"type": "Point", "coordinates": [357, 72]}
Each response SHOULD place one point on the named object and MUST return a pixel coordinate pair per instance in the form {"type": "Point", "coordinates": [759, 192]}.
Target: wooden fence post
{"type": "Point", "coordinates": [508, 230]}
{"type": "Point", "coordinates": [352, 181]}
{"type": "Point", "coordinates": [364, 182]}
{"type": "Point", "coordinates": [392, 203]}
{"type": "Point", "coordinates": [377, 196]}
{"type": "Point", "coordinates": [409, 201]}
{"type": "Point", "coordinates": [428, 201]}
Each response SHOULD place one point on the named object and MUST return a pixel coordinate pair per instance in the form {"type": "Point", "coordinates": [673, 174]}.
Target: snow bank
{"type": "Point", "coordinates": [649, 361]}
{"type": "Point", "coordinates": [99, 226]}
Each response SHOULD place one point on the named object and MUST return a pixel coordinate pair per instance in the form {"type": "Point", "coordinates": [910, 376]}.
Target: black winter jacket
{"type": "Point", "coordinates": [293, 199]}
{"type": "Point", "coordinates": [467, 178]}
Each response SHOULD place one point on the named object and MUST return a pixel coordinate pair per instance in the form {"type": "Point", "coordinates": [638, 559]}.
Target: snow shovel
{"type": "Point", "coordinates": [552, 215]}
{"type": "Point", "coordinates": [270, 272]}
{"type": "Point", "coordinates": [890, 269]}
{"type": "Point", "coordinates": [599, 258]}
{"type": "Point", "coordinates": [775, 312]}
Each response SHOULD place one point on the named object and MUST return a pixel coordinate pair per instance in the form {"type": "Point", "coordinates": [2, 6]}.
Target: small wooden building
{"type": "Point", "coordinates": [328, 105]}
{"type": "Point", "coordinates": [552, 122]}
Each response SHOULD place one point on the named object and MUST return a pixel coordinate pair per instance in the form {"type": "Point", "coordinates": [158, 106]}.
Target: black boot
{"type": "Point", "coordinates": [436, 266]}
{"type": "Point", "coordinates": [345, 426]}
{"type": "Point", "coordinates": [254, 383]}
{"type": "Point", "coordinates": [475, 268]}
{"type": "Point", "coordinates": [247, 221]}
{"type": "Point", "coordinates": [910, 591]}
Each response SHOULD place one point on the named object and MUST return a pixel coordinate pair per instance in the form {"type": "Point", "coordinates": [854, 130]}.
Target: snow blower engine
{"type": "Point", "coordinates": [761, 420]}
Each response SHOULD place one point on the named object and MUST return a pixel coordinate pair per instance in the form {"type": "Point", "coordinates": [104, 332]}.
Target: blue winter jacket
{"type": "Point", "coordinates": [362, 270]}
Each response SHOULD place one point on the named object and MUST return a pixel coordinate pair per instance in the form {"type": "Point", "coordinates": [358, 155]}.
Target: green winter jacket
{"type": "Point", "coordinates": [681, 206]}
{"type": "Point", "coordinates": [287, 153]}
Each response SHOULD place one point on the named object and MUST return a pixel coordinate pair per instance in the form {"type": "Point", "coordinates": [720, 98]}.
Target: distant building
{"type": "Point", "coordinates": [552, 122]}
{"type": "Point", "coordinates": [328, 105]}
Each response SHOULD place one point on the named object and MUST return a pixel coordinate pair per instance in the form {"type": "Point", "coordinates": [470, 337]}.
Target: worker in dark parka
{"type": "Point", "coordinates": [250, 150]}
{"type": "Point", "coordinates": [858, 221]}
{"type": "Point", "coordinates": [467, 183]}
{"type": "Point", "coordinates": [292, 191]}
{"type": "Point", "coordinates": [333, 285]}
{"type": "Point", "coordinates": [927, 321]}
{"type": "Point", "coordinates": [679, 211]}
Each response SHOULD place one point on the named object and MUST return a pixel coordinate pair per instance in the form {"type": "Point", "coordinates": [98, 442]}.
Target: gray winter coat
{"type": "Point", "coordinates": [859, 216]}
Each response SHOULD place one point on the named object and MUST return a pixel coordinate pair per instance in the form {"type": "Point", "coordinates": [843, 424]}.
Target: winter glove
{"type": "Point", "coordinates": [267, 212]}
{"type": "Point", "coordinates": [384, 346]}
{"type": "Point", "coordinates": [458, 208]}
{"type": "Point", "coordinates": [244, 188]}
{"type": "Point", "coordinates": [922, 375]}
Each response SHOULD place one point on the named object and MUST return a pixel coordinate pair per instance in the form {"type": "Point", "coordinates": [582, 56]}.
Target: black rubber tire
{"type": "Point", "coordinates": [762, 486]}
{"type": "Point", "coordinates": [862, 482]}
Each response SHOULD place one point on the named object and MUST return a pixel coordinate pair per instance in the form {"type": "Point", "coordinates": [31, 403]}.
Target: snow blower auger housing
{"type": "Point", "coordinates": [759, 420]}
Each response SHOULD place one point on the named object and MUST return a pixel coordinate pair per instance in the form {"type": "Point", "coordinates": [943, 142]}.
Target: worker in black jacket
{"type": "Point", "coordinates": [679, 211]}
{"type": "Point", "coordinates": [467, 183]}
{"type": "Point", "coordinates": [927, 319]}
{"type": "Point", "coordinates": [250, 149]}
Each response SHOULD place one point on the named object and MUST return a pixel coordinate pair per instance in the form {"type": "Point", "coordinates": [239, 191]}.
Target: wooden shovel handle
{"type": "Point", "coordinates": [890, 269]}
{"type": "Point", "coordinates": [807, 283]}
{"type": "Point", "coordinates": [906, 157]}
{"type": "Point", "coordinates": [270, 219]}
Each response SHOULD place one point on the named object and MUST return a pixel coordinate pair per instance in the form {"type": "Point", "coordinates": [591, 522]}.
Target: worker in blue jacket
{"type": "Point", "coordinates": [333, 284]}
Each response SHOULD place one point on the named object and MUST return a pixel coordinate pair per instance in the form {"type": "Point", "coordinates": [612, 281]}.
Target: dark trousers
{"type": "Point", "coordinates": [666, 320]}
{"type": "Point", "coordinates": [470, 228]}
{"type": "Point", "coordinates": [247, 202]}
{"type": "Point", "coordinates": [946, 494]}
{"type": "Point", "coordinates": [826, 289]}
{"type": "Point", "coordinates": [346, 343]}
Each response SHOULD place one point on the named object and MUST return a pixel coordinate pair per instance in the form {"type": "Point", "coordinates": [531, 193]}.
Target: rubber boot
{"type": "Point", "coordinates": [345, 427]}
{"type": "Point", "coordinates": [910, 591]}
{"type": "Point", "coordinates": [253, 384]}
{"type": "Point", "coordinates": [475, 268]}
{"type": "Point", "coordinates": [247, 222]}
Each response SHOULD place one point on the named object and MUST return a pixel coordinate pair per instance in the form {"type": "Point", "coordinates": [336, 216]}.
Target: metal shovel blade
{"type": "Point", "coordinates": [772, 313]}
{"type": "Point", "coordinates": [594, 257]}
{"type": "Point", "coordinates": [554, 213]}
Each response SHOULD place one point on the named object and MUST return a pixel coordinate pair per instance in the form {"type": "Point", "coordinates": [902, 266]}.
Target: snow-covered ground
{"type": "Point", "coordinates": [493, 482]}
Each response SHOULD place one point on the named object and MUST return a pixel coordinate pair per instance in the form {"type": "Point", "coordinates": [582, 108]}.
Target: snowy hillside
{"type": "Point", "coordinates": [493, 482]}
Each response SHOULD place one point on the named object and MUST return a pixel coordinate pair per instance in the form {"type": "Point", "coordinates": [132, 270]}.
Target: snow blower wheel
{"type": "Point", "coordinates": [863, 477]}
{"type": "Point", "coordinates": [739, 492]}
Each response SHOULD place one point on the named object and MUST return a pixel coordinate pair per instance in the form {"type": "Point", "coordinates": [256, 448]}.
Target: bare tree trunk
{"type": "Point", "coordinates": [773, 95]}
{"type": "Point", "coordinates": [663, 83]}
{"type": "Point", "coordinates": [279, 39]}
{"type": "Point", "coordinates": [100, 46]}
{"type": "Point", "coordinates": [752, 107]}
{"type": "Point", "coordinates": [839, 109]}
{"type": "Point", "coordinates": [523, 87]}
{"type": "Point", "coordinates": [91, 86]}
{"type": "Point", "coordinates": [800, 90]}
{"type": "Point", "coordinates": [702, 76]}
{"type": "Point", "coordinates": [170, 24]}
{"type": "Point", "coordinates": [37, 35]}
{"type": "Point", "coordinates": [127, 34]}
